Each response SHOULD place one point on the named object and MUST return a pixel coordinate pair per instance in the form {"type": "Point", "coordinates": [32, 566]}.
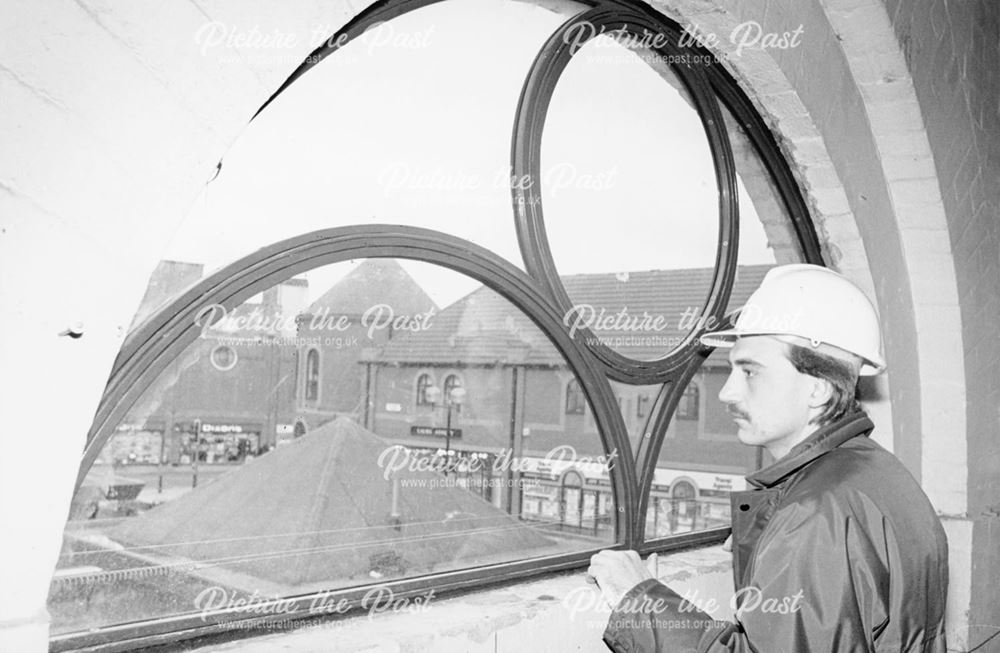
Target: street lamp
{"type": "Point", "coordinates": [454, 398]}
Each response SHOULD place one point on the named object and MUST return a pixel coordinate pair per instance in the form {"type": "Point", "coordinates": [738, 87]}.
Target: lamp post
{"type": "Point", "coordinates": [197, 451]}
{"type": "Point", "coordinates": [453, 398]}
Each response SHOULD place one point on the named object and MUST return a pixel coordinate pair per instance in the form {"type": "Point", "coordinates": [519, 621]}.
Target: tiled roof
{"type": "Point", "coordinates": [318, 510]}
{"type": "Point", "coordinates": [484, 328]}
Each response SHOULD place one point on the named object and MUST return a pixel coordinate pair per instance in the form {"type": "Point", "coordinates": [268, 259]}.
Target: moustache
{"type": "Point", "coordinates": [736, 412]}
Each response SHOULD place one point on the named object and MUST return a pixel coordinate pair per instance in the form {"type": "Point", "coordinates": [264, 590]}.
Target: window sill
{"type": "Point", "coordinates": [558, 613]}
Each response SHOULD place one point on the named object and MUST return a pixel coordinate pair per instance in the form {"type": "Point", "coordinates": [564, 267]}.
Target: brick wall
{"type": "Point", "coordinates": [952, 50]}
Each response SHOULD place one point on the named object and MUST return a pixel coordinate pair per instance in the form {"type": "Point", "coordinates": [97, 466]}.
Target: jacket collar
{"type": "Point", "coordinates": [823, 440]}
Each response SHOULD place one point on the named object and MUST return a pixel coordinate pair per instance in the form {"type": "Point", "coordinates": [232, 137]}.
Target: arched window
{"type": "Point", "coordinates": [424, 382]}
{"type": "Point", "coordinates": [683, 507]}
{"type": "Point", "coordinates": [575, 401]}
{"type": "Point", "coordinates": [312, 375]}
{"type": "Point", "coordinates": [683, 490]}
{"type": "Point", "coordinates": [451, 382]}
{"type": "Point", "coordinates": [702, 206]}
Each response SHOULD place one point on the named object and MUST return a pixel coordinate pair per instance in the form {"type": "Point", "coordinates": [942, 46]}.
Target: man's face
{"type": "Point", "coordinates": [767, 397]}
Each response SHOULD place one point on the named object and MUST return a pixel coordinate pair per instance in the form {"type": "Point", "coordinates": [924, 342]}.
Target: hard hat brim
{"type": "Point", "coordinates": [726, 338]}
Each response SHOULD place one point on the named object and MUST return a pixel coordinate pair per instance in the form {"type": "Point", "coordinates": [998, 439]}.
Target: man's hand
{"type": "Point", "coordinates": [616, 572]}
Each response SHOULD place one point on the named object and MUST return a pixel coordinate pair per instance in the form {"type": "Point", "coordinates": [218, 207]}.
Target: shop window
{"type": "Point", "coordinates": [574, 398]}
{"type": "Point", "coordinates": [312, 375]}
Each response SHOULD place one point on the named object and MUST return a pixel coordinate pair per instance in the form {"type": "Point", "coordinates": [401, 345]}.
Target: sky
{"type": "Point", "coordinates": [411, 124]}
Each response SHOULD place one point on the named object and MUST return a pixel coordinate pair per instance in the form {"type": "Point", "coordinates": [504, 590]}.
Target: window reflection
{"type": "Point", "coordinates": [214, 480]}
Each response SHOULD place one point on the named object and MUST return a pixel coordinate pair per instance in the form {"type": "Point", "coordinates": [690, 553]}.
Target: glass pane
{"type": "Point", "coordinates": [702, 460]}
{"type": "Point", "coordinates": [403, 125]}
{"type": "Point", "coordinates": [629, 197]}
{"type": "Point", "coordinates": [373, 420]}
{"type": "Point", "coordinates": [638, 405]}
{"type": "Point", "coordinates": [766, 233]}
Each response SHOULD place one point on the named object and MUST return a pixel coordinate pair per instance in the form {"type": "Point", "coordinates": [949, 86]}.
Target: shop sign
{"type": "Point", "coordinates": [434, 431]}
{"type": "Point", "coordinates": [722, 483]}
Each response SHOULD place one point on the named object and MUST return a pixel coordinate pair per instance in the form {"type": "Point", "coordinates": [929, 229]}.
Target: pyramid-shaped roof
{"type": "Point", "coordinates": [375, 280]}
{"type": "Point", "coordinates": [318, 512]}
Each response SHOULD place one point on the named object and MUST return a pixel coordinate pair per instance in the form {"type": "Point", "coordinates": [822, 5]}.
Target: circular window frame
{"type": "Point", "coordinates": [536, 94]}
{"type": "Point", "coordinates": [232, 362]}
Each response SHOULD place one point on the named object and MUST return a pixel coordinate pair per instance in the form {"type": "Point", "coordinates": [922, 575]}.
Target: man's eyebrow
{"type": "Point", "coordinates": [746, 362]}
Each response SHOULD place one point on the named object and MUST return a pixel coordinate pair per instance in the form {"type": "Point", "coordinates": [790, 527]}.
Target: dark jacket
{"type": "Point", "coordinates": [837, 549]}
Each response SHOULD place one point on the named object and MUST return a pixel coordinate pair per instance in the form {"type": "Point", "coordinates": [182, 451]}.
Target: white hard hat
{"type": "Point", "coordinates": [814, 303]}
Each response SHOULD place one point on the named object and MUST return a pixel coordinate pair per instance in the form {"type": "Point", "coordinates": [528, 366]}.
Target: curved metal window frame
{"type": "Point", "coordinates": [542, 79]}
{"type": "Point", "coordinates": [165, 335]}
{"type": "Point", "coordinates": [538, 293]}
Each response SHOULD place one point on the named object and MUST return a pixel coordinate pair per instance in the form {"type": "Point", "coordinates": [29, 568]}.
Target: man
{"type": "Point", "coordinates": [837, 548]}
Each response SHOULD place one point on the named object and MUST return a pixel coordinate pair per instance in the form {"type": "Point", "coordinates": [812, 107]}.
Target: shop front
{"type": "Point", "coordinates": [215, 442]}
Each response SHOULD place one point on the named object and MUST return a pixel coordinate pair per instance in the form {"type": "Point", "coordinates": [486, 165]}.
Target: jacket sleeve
{"type": "Point", "coordinates": [818, 584]}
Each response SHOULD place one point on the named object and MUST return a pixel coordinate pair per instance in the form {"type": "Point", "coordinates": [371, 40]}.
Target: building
{"type": "Point", "coordinates": [234, 387]}
{"type": "Point", "coordinates": [521, 400]}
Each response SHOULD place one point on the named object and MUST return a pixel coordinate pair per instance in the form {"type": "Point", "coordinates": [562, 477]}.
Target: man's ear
{"type": "Point", "coordinates": [821, 392]}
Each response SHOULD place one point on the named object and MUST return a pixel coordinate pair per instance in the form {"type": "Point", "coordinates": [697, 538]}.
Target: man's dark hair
{"type": "Point", "coordinates": [842, 377]}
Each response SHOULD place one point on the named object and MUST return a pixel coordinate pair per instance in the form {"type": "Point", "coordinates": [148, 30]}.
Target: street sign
{"type": "Point", "coordinates": [434, 431]}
